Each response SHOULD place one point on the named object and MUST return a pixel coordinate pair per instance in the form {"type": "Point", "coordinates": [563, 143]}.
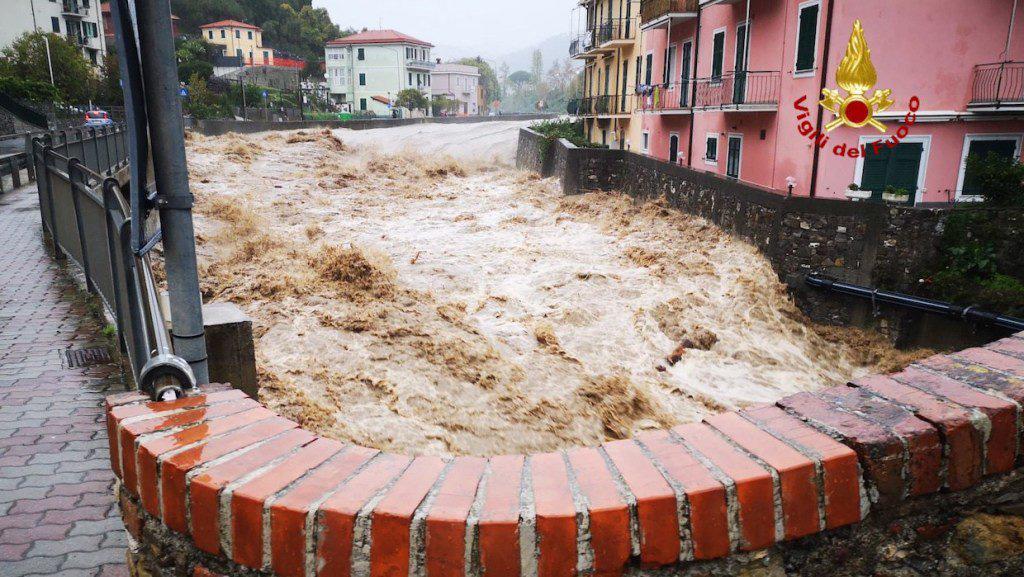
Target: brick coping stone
{"type": "Point", "coordinates": [260, 493]}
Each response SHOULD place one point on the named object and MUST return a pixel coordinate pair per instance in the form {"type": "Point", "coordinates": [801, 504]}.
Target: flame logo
{"type": "Point", "coordinates": [856, 75]}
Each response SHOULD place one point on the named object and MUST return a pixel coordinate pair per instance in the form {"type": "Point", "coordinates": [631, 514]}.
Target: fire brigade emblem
{"type": "Point", "coordinates": [857, 76]}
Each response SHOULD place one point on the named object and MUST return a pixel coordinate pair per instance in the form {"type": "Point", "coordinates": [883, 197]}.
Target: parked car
{"type": "Point", "coordinates": [97, 118]}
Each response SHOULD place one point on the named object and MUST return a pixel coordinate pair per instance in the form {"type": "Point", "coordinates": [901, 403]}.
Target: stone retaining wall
{"type": "Point", "coordinates": [911, 472]}
{"type": "Point", "coordinates": [862, 243]}
{"type": "Point", "coordinates": [219, 127]}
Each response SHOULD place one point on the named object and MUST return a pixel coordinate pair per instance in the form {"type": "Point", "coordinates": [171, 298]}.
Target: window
{"type": "Point", "coordinates": [362, 104]}
{"type": "Point", "coordinates": [238, 34]}
{"type": "Point", "coordinates": [650, 69]}
{"type": "Point", "coordinates": [898, 167]}
{"type": "Point", "coordinates": [807, 37]}
{"type": "Point", "coordinates": [669, 72]}
{"type": "Point", "coordinates": [361, 54]}
{"type": "Point", "coordinates": [250, 35]}
{"type": "Point", "coordinates": [55, 24]}
{"type": "Point", "coordinates": [210, 32]}
{"type": "Point", "coordinates": [639, 69]}
{"type": "Point", "coordinates": [1003, 145]}
{"type": "Point", "coordinates": [362, 79]}
{"type": "Point", "coordinates": [223, 33]}
{"type": "Point", "coordinates": [717, 54]}
{"type": "Point", "coordinates": [647, 142]}
{"type": "Point", "coordinates": [266, 57]}
{"type": "Point", "coordinates": [732, 163]}
{"type": "Point", "coordinates": [711, 149]}
{"type": "Point", "coordinates": [410, 79]}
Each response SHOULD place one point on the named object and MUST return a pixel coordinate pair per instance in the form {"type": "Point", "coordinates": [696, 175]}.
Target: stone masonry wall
{"type": "Point", "coordinates": [862, 243]}
{"type": "Point", "coordinates": [915, 473]}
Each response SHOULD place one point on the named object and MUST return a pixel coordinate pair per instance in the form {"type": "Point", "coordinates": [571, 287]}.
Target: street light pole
{"type": "Point", "coordinates": [49, 61]}
{"type": "Point", "coordinates": [174, 199]}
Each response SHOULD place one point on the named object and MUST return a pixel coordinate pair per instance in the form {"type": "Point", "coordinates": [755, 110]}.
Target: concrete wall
{"type": "Point", "coordinates": [218, 127]}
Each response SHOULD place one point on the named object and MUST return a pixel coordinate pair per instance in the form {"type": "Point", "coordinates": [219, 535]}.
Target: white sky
{"type": "Point", "coordinates": [486, 27]}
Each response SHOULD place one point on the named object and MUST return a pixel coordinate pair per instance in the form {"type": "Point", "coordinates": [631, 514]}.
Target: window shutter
{"type": "Point", "coordinates": [982, 148]}
{"type": "Point", "coordinates": [876, 166]}
{"type": "Point", "coordinates": [808, 33]}
{"type": "Point", "coordinates": [718, 55]}
{"type": "Point", "coordinates": [904, 166]}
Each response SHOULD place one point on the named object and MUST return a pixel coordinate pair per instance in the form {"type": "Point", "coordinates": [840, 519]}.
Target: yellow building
{"type": "Point", "coordinates": [609, 43]}
{"type": "Point", "coordinates": [240, 40]}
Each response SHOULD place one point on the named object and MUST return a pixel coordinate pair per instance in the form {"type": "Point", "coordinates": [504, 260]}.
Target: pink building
{"type": "Point", "coordinates": [754, 115]}
{"type": "Point", "coordinates": [458, 82]}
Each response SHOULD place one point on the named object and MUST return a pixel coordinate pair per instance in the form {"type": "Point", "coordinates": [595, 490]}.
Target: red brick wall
{"type": "Point", "coordinates": [252, 487]}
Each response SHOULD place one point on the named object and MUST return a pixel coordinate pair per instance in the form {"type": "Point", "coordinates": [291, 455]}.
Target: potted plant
{"type": "Point", "coordinates": [895, 195]}
{"type": "Point", "coordinates": [854, 193]}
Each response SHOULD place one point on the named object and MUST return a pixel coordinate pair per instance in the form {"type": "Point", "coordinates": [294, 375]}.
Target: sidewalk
{"type": "Point", "coordinates": [57, 512]}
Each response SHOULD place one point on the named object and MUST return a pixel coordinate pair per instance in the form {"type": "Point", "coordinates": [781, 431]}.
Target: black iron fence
{"type": "Point", "coordinates": [665, 98]}
{"type": "Point", "coordinates": [605, 104]}
{"type": "Point", "coordinates": [82, 177]}
{"type": "Point", "coordinates": [738, 90]}
{"type": "Point", "coordinates": [998, 84]}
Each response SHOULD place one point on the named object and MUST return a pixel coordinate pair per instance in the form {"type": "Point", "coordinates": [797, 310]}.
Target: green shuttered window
{"type": "Point", "coordinates": [807, 38]}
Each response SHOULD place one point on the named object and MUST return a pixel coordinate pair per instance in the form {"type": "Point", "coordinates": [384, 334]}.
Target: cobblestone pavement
{"type": "Point", "coordinates": [57, 512]}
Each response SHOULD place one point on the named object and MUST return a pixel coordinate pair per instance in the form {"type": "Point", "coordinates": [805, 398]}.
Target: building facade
{"type": "Point", "coordinates": [79, 21]}
{"type": "Point", "coordinates": [458, 82]}
{"type": "Point", "coordinates": [366, 71]}
{"type": "Point", "coordinates": [239, 40]}
{"type": "Point", "coordinates": [608, 41]}
{"type": "Point", "coordinates": [733, 88]}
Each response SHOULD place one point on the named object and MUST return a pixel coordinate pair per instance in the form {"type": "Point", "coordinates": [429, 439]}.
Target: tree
{"type": "Point", "coordinates": [412, 99]}
{"type": "Point", "coordinates": [109, 89]}
{"type": "Point", "coordinates": [25, 59]}
{"type": "Point", "coordinates": [442, 103]}
{"type": "Point", "coordinates": [203, 103]}
{"type": "Point", "coordinates": [537, 66]}
{"type": "Point", "coordinates": [519, 79]}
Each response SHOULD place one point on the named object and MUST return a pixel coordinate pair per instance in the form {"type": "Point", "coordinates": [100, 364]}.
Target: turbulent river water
{"type": "Point", "coordinates": [413, 292]}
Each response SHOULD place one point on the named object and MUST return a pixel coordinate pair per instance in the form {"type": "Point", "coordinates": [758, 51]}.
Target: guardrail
{"type": "Point", "coordinates": [665, 98]}
{"type": "Point", "coordinates": [12, 163]}
{"type": "Point", "coordinates": [615, 29]}
{"type": "Point", "coordinates": [81, 178]}
{"type": "Point", "coordinates": [998, 84]}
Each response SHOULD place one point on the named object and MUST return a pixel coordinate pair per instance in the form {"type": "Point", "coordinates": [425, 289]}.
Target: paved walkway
{"type": "Point", "coordinates": [57, 512]}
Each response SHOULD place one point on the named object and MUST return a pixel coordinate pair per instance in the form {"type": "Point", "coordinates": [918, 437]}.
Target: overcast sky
{"type": "Point", "coordinates": [487, 27]}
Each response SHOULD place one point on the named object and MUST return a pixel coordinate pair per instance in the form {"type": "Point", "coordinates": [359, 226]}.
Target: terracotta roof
{"type": "Point", "coordinates": [378, 37]}
{"type": "Point", "coordinates": [230, 24]}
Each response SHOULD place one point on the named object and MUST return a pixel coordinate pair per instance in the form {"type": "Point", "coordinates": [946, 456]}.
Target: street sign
{"type": "Point", "coordinates": [183, 92]}
{"type": "Point", "coordinates": [264, 95]}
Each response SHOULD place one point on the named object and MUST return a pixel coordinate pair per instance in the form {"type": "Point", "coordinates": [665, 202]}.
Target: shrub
{"type": "Point", "coordinates": [1000, 179]}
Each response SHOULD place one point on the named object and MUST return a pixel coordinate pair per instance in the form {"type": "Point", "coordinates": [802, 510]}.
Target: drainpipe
{"type": "Point", "coordinates": [167, 138]}
{"type": "Point", "coordinates": [821, 111]}
{"type": "Point", "coordinates": [693, 89]}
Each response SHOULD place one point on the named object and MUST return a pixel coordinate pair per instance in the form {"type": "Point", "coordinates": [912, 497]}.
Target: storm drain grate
{"type": "Point", "coordinates": [86, 357]}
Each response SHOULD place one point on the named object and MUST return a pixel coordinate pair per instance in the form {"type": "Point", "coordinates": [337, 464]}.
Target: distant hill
{"type": "Point", "coordinates": [554, 48]}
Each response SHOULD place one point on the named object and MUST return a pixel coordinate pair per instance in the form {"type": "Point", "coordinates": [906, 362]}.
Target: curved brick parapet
{"type": "Point", "coordinates": [248, 489]}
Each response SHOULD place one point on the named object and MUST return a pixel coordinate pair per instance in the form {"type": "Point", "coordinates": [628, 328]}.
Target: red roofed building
{"type": "Point", "coordinates": [366, 71]}
{"type": "Point", "coordinates": [239, 39]}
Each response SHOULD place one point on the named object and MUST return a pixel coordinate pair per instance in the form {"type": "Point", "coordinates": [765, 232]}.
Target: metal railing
{"type": "Point", "coordinates": [654, 9]}
{"type": "Point", "coordinates": [615, 29]}
{"type": "Point", "coordinates": [605, 104]}
{"type": "Point", "coordinates": [582, 44]}
{"type": "Point", "coordinates": [15, 156]}
{"type": "Point", "coordinates": [82, 179]}
{"type": "Point", "coordinates": [738, 90]}
{"type": "Point", "coordinates": [998, 84]}
{"type": "Point", "coordinates": [665, 98]}
{"type": "Point", "coordinates": [74, 8]}
{"type": "Point", "coordinates": [421, 64]}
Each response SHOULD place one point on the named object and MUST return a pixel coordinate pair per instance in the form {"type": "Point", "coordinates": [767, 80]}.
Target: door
{"type": "Point", "coordinates": [897, 167]}
{"type": "Point", "coordinates": [670, 65]}
{"type": "Point", "coordinates": [625, 86]}
{"type": "Point", "coordinates": [739, 87]}
{"type": "Point", "coordinates": [982, 148]}
{"type": "Point", "coordinates": [732, 165]}
{"type": "Point", "coordinates": [684, 75]}
{"type": "Point", "coordinates": [673, 149]}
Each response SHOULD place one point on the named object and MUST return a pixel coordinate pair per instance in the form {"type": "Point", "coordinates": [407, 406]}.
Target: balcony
{"type": "Point", "coordinates": [606, 106]}
{"type": "Point", "coordinates": [998, 87]}
{"type": "Point", "coordinates": [656, 14]}
{"type": "Point", "coordinates": [73, 9]}
{"type": "Point", "coordinates": [614, 32]}
{"type": "Point", "coordinates": [420, 64]}
{"type": "Point", "coordinates": [666, 99]}
{"type": "Point", "coordinates": [751, 91]}
{"type": "Point", "coordinates": [582, 47]}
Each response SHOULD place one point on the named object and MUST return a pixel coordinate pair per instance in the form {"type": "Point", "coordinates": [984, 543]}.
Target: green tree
{"type": "Point", "coordinates": [442, 103]}
{"type": "Point", "coordinates": [202, 102]}
{"type": "Point", "coordinates": [999, 178]}
{"type": "Point", "coordinates": [537, 66]}
{"type": "Point", "coordinates": [25, 59]}
{"type": "Point", "coordinates": [109, 89]}
{"type": "Point", "coordinates": [412, 99]}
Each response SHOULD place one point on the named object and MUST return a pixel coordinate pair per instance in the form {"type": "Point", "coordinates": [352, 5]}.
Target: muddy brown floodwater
{"type": "Point", "coordinates": [443, 303]}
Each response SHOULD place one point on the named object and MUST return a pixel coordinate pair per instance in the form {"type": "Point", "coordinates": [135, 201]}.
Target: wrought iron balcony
{"type": "Point", "coordinates": [749, 90]}
{"type": "Point", "coordinates": [581, 45]}
{"type": "Point", "coordinates": [606, 105]}
{"type": "Point", "coordinates": [73, 8]}
{"type": "Point", "coordinates": [998, 85]}
{"type": "Point", "coordinates": [615, 30]}
{"type": "Point", "coordinates": [658, 10]}
{"type": "Point", "coordinates": [666, 99]}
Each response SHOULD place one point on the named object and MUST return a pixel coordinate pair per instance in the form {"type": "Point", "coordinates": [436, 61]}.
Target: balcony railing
{"type": "Point", "coordinates": [606, 105]}
{"type": "Point", "coordinates": [998, 84]}
{"type": "Point", "coordinates": [74, 8]}
{"type": "Point", "coordinates": [581, 45]}
{"type": "Point", "coordinates": [739, 90]}
{"type": "Point", "coordinates": [653, 9]}
{"type": "Point", "coordinates": [615, 29]}
{"type": "Point", "coordinates": [665, 98]}
{"type": "Point", "coordinates": [421, 64]}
